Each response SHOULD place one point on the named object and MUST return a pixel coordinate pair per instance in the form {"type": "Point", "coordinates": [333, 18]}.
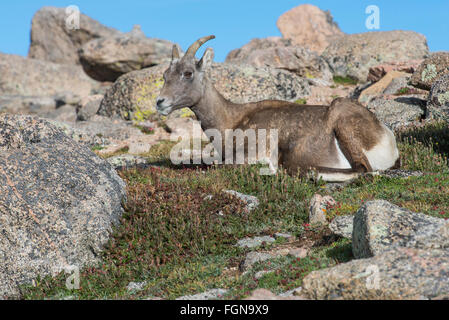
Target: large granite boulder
{"type": "Point", "coordinates": [430, 70]}
{"type": "Point", "coordinates": [58, 202]}
{"type": "Point", "coordinates": [400, 273]}
{"type": "Point", "coordinates": [438, 102]}
{"type": "Point", "coordinates": [107, 58]}
{"type": "Point", "coordinates": [398, 111]}
{"type": "Point", "coordinates": [352, 55]}
{"type": "Point", "coordinates": [52, 40]}
{"type": "Point", "coordinates": [279, 53]}
{"type": "Point", "coordinates": [380, 225]}
{"type": "Point", "coordinates": [134, 94]}
{"type": "Point", "coordinates": [399, 254]}
{"type": "Point", "coordinates": [31, 77]}
{"type": "Point", "coordinates": [308, 26]}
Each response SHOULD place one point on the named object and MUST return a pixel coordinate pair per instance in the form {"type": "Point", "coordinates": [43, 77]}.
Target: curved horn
{"type": "Point", "coordinates": [196, 45]}
{"type": "Point", "coordinates": [175, 52]}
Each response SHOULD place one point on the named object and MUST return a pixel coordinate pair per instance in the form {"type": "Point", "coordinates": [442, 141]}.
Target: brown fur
{"type": "Point", "coordinates": [306, 133]}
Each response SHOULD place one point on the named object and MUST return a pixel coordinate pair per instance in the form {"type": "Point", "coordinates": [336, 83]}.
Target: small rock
{"type": "Point", "coordinates": [126, 161]}
{"type": "Point", "coordinates": [139, 148]}
{"type": "Point", "coordinates": [212, 294]}
{"type": "Point", "coordinates": [88, 107]}
{"type": "Point", "coordinates": [318, 207]}
{"type": "Point", "coordinates": [65, 113]}
{"type": "Point", "coordinates": [254, 242]}
{"type": "Point", "coordinates": [264, 294]}
{"type": "Point", "coordinates": [113, 148]}
{"type": "Point", "coordinates": [292, 292]}
{"type": "Point", "coordinates": [377, 72]}
{"type": "Point", "coordinates": [254, 257]}
{"type": "Point", "coordinates": [67, 97]}
{"type": "Point", "coordinates": [251, 201]}
{"type": "Point", "coordinates": [298, 252]}
{"type": "Point", "coordinates": [342, 226]}
{"type": "Point", "coordinates": [261, 273]}
{"type": "Point", "coordinates": [286, 236]}
{"type": "Point", "coordinates": [380, 86]}
{"type": "Point", "coordinates": [136, 286]}
{"type": "Point", "coordinates": [399, 173]}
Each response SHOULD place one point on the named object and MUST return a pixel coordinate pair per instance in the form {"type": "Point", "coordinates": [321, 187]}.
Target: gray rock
{"type": "Point", "coordinates": [65, 112]}
{"type": "Point", "coordinates": [397, 84]}
{"type": "Point", "coordinates": [51, 40]}
{"type": "Point", "coordinates": [342, 226]}
{"type": "Point", "coordinates": [31, 77]}
{"type": "Point", "coordinates": [278, 235]}
{"type": "Point", "coordinates": [438, 102]}
{"type": "Point", "coordinates": [317, 209]}
{"type": "Point", "coordinates": [126, 161]}
{"type": "Point", "coordinates": [26, 104]}
{"type": "Point", "coordinates": [80, 134]}
{"type": "Point", "coordinates": [251, 201]}
{"type": "Point", "coordinates": [137, 91]}
{"type": "Point", "coordinates": [380, 225]}
{"type": "Point", "coordinates": [399, 273]}
{"type": "Point", "coordinates": [430, 70]}
{"type": "Point", "coordinates": [352, 55]}
{"type": "Point", "coordinates": [212, 294]}
{"type": "Point", "coordinates": [280, 54]}
{"type": "Point", "coordinates": [309, 26]}
{"type": "Point", "coordinates": [264, 294]}
{"type": "Point", "coordinates": [399, 173]}
{"type": "Point", "coordinates": [88, 107]}
{"type": "Point", "coordinates": [292, 292]}
{"type": "Point", "coordinates": [58, 202]}
{"type": "Point", "coordinates": [107, 58]}
{"type": "Point", "coordinates": [100, 130]}
{"type": "Point", "coordinates": [253, 258]}
{"type": "Point", "coordinates": [136, 286]}
{"type": "Point", "coordinates": [67, 97]}
{"type": "Point", "coordinates": [254, 242]}
{"type": "Point", "coordinates": [398, 112]}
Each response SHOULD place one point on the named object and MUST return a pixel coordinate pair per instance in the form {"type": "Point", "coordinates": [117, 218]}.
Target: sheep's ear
{"type": "Point", "coordinates": [206, 60]}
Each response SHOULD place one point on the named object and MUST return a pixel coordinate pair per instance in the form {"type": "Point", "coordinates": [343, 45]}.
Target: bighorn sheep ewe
{"type": "Point", "coordinates": [339, 141]}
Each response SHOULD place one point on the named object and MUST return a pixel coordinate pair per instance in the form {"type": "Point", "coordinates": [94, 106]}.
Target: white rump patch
{"type": "Point", "coordinates": [342, 162]}
{"type": "Point", "coordinates": [383, 155]}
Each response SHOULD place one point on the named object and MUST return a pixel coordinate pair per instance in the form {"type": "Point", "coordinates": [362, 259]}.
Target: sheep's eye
{"type": "Point", "coordinates": [188, 74]}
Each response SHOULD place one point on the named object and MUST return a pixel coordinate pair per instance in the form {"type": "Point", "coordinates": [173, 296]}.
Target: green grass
{"type": "Point", "coordinates": [181, 243]}
{"type": "Point", "coordinates": [347, 80]}
{"type": "Point", "coordinates": [301, 101]}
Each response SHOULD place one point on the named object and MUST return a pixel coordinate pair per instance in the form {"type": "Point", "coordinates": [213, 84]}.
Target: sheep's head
{"type": "Point", "coordinates": [185, 78]}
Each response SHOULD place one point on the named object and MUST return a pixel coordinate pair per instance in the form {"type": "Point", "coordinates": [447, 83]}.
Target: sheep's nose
{"type": "Point", "coordinates": [159, 101]}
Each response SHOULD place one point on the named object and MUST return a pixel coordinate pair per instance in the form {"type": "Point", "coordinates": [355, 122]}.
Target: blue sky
{"type": "Point", "coordinates": [234, 22]}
